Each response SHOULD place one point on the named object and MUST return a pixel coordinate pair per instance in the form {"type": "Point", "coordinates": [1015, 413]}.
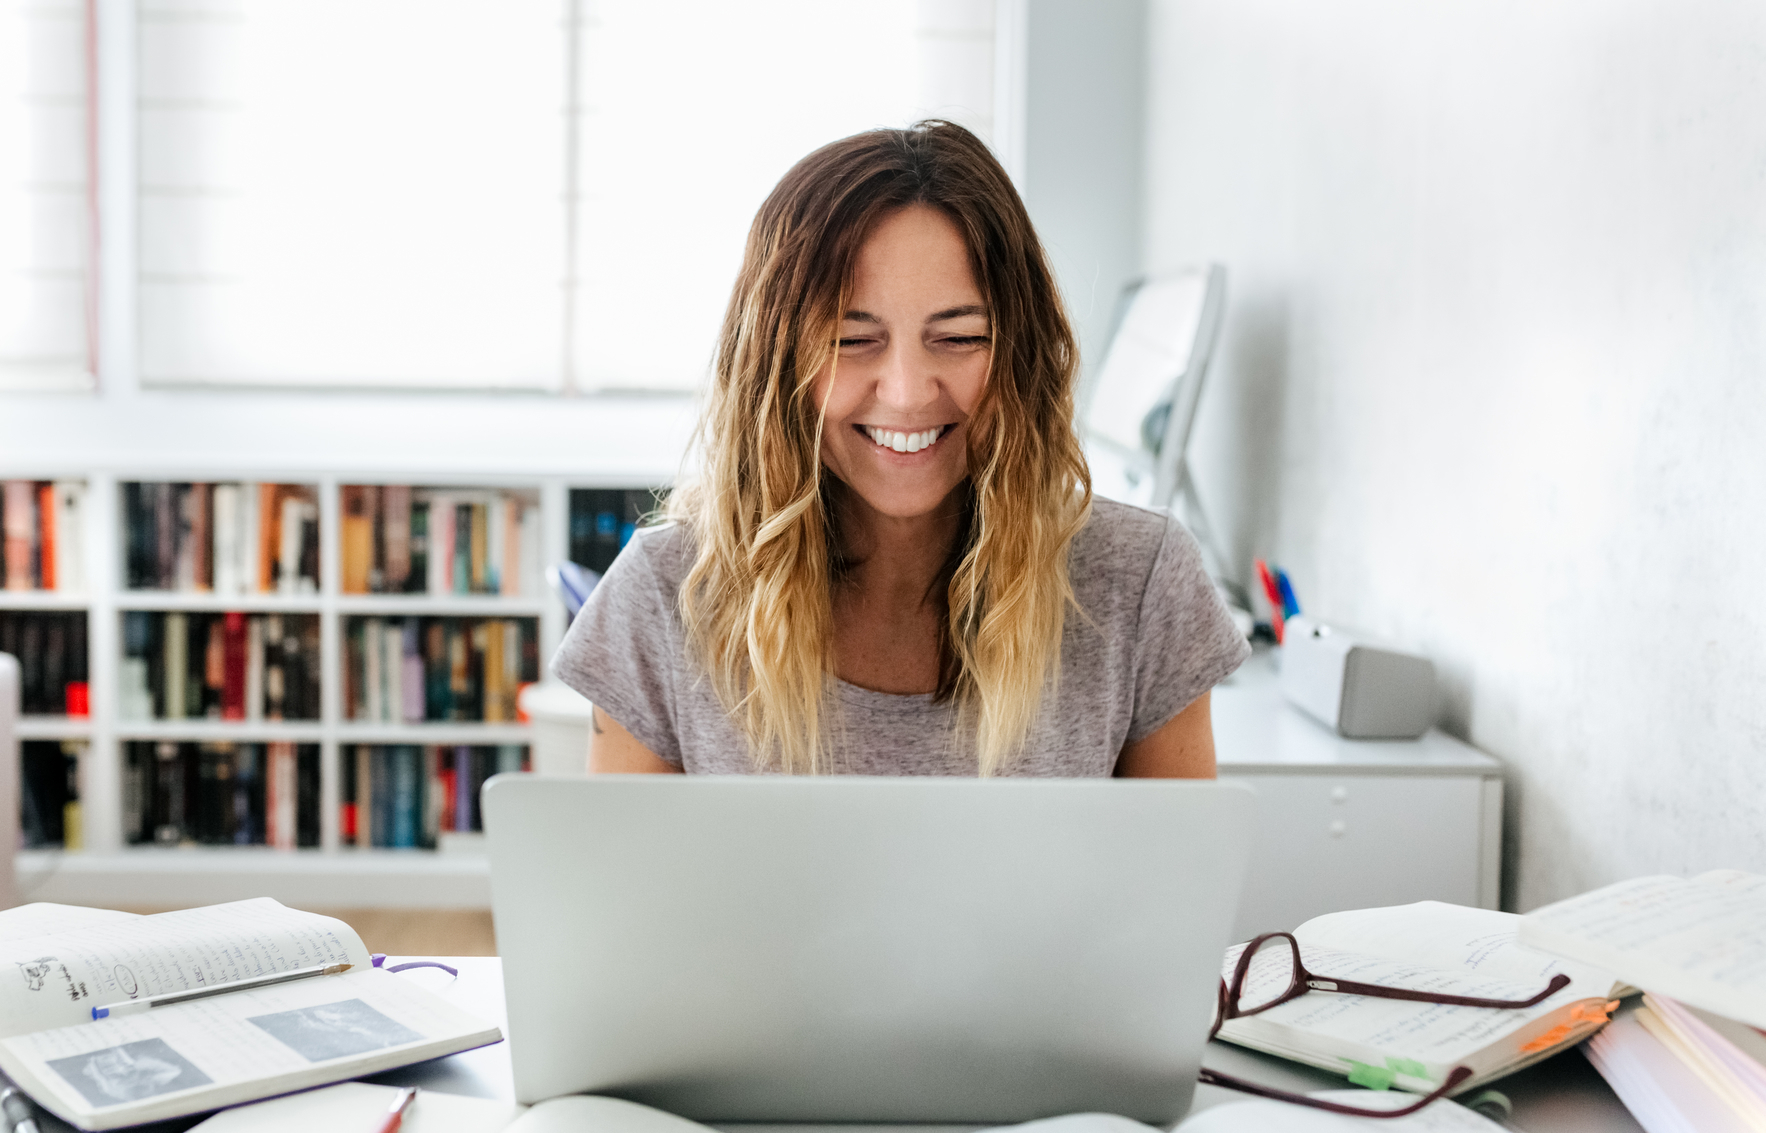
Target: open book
{"type": "Point", "coordinates": [57, 963]}
{"type": "Point", "coordinates": [1700, 940]}
{"type": "Point", "coordinates": [1428, 946]}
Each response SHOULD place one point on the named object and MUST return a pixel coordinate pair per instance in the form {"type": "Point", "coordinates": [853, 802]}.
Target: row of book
{"type": "Point", "coordinates": [221, 794]}
{"type": "Point", "coordinates": [396, 539]}
{"type": "Point", "coordinates": [49, 799]}
{"type": "Point", "coordinates": [230, 538]}
{"type": "Point", "coordinates": [603, 519]}
{"type": "Point", "coordinates": [42, 535]}
{"type": "Point", "coordinates": [226, 666]}
{"type": "Point", "coordinates": [405, 796]}
{"type": "Point", "coordinates": [437, 668]}
{"type": "Point", "coordinates": [51, 649]}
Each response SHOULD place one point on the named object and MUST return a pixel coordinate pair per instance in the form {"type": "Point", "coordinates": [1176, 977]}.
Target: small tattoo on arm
{"type": "Point", "coordinates": [595, 721]}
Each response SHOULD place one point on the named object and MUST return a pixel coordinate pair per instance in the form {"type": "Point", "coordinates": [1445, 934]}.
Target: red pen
{"type": "Point", "coordinates": [395, 1113]}
{"type": "Point", "coordinates": [1274, 593]}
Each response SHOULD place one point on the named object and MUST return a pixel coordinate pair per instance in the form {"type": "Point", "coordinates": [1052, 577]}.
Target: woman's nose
{"type": "Point", "coordinates": [909, 379]}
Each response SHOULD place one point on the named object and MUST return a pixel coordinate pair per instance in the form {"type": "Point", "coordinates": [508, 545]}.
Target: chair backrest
{"type": "Point", "coordinates": [1142, 406]}
{"type": "Point", "coordinates": [9, 781]}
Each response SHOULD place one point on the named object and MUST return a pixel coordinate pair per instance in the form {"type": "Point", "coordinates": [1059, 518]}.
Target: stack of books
{"type": "Point", "coordinates": [221, 794]}
{"type": "Point", "coordinates": [42, 524]}
{"type": "Point", "coordinates": [415, 669]}
{"type": "Point", "coordinates": [227, 666]}
{"type": "Point", "coordinates": [51, 647]}
{"type": "Point", "coordinates": [234, 538]}
{"type": "Point", "coordinates": [406, 796]}
{"type": "Point", "coordinates": [1688, 1058]}
{"type": "Point", "coordinates": [396, 539]}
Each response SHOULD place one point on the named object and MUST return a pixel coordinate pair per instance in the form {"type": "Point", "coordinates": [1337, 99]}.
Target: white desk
{"type": "Point", "coordinates": [1562, 1095]}
{"type": "Point", "coordinates": [1353, 824]}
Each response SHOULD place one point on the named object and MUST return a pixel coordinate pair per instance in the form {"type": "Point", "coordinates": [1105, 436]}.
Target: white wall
{"type": "Point", "coordinates": [1082, 174]}
{"type": "Point", "coordinates": [1495, 376]}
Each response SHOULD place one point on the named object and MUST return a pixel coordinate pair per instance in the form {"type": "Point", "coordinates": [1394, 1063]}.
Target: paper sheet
{"type": "Point", "coordinates": [1662, 1093]}
{"type": "Point", "coordinates": [1454, 937]}
{"type": "Point", "coordinates": [351, 1106]}
{"type": "Point", "coordinates": [1701, 941]}
{"type": "Point", "coordinates": [42, 917]}
{"type": "Point", "coordinates": [55, 979]}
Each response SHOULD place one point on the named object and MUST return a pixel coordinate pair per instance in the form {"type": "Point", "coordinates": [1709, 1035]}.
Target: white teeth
{"type": "Point", "coordinates": [904, 442]}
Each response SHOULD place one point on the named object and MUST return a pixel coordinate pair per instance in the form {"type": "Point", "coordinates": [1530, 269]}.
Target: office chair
{"type": "Point", "coordinates": [9, 780]}
{"type": "Point", "coordinates": [1142, 405]}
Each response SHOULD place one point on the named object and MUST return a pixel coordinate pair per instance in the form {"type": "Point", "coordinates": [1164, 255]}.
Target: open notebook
{"type": "Point", "coordinates": [59, 962]}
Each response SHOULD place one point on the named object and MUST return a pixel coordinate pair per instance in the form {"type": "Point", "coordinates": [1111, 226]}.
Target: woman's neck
{"type": "Point", "coordinates": [894, 561]}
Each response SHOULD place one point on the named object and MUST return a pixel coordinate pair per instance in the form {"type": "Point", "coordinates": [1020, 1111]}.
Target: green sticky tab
{"type": "Point", "coordinates": [1373, 1077]}
{"type": "Point", "coordinates": [1408, 1067]}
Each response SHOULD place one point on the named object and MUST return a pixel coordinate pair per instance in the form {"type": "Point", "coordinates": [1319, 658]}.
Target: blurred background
{"type": "Point", "coordinates": [1489, 381]}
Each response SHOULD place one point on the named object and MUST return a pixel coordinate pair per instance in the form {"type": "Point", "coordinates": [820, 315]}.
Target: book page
{"type": "Point", "coordinates": [1454, 937]}
{"type": "Point", "coordinates": [55, 979]}
{"type": "Point", "coordinates": [582, 1114]}
{"type": "Point", "coordinates": [1438, 1034]}
{"type": "Point", "coordinates": [207, 1053]}
{"type": "Point", "coordinates": [1280, 1117]}
{"type": "Point", "coordinates": [41, 918]}
{"type": "Point", "coordinates": [1700, 941]}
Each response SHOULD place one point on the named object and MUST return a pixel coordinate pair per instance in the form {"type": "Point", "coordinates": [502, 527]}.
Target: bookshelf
{"type": "Point", "coordinates": [108, 869]}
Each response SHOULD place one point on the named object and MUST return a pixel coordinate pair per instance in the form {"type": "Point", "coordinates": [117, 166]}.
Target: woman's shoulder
{"type": "Point", "coordinates": [664, 552]}
{"type": "Point", "coordinates": [1119, 537]}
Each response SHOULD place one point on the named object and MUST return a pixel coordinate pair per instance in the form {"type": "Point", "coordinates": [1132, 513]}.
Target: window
{"type": "Point", "coordinates": [46, 207]}
{"type": "Point", "coordinates": [493, 194]}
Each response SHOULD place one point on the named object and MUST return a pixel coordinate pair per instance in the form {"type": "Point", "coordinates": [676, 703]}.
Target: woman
{"type": "Point", "coordinates": [890, 561]}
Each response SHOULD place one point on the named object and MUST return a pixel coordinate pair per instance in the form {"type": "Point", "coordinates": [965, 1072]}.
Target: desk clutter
{"type": "Point", "coordinates": [1685, 1055]}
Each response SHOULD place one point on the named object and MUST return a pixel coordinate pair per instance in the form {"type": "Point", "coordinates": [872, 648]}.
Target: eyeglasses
{"type": "Point", "coordinates": [1269, 973]}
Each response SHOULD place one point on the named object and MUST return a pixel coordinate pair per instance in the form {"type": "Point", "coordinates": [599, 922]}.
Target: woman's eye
{"type": "Point", "coordinates": [967, 340]}
{"type": "Point", "coordinates": [846, 343]}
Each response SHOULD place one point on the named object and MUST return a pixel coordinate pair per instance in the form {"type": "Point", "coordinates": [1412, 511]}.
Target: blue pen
{"type": "Point", "coordinates": [1290, 604]}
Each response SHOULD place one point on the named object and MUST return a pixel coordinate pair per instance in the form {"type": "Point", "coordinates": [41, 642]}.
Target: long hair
{"type": "Point", "coordinates": [757, 604]}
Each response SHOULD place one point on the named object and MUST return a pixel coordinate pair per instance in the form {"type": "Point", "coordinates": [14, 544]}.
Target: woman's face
{"type": "Point", "coordinates": [914, 348]}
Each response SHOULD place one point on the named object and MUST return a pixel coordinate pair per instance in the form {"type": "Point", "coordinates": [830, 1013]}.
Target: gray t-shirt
{"type": "Point", "coordinates": [1156, 638]}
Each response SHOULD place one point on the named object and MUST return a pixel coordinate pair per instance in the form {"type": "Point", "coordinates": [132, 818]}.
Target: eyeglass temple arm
{"type": "Point", "coordinates": [1227, 1081]}
{"type": "Point", "coordinates": [1351, 987]}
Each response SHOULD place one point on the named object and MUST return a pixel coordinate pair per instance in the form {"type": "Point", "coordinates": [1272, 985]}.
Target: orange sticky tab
{"type": "Point", "coordinates": [1549, 1039]}
{"type": "Point", "coordinates": [1592, 1012]}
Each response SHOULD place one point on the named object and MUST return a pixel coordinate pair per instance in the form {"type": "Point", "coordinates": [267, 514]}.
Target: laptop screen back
{"type": "Point", "coordinates": [864, 950]}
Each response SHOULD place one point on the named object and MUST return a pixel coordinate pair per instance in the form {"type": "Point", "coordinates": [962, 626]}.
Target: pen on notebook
{"type": "Point", "coordinates": [131, 1006]}
{"type": "Point", "coordinates": [1290, 604]}
{"type": "Point", "coordinates": [19, 1118]}
{"type": "Point", "coordinates": [395, 1113]}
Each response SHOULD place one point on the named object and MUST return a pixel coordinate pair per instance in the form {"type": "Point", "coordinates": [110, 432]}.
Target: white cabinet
{"type": "Point", "coordinates": [1348, 824]}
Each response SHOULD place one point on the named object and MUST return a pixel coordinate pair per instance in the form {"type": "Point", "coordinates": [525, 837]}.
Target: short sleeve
{"type": "Point", "coordinates": [624, 648]}
{"type": "Point", "coordinates": [1186, 642]}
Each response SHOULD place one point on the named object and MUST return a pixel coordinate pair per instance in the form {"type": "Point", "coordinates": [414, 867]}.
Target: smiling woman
{"type": "Point", "coordinates": [890, 561]}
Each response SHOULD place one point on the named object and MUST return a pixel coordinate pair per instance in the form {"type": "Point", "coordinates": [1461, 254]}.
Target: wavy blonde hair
{"type": "Point", "coordinates": [757, 604]}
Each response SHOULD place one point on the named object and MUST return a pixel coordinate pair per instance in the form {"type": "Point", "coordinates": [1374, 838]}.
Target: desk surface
{"type": "Point", "coordinates": [1563, 1095]}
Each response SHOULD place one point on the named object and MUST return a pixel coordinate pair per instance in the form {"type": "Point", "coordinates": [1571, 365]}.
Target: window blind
{"type": "Point", "coordinates": [46, 230]}
{"type": "Point", "coordinates": [539, 194]}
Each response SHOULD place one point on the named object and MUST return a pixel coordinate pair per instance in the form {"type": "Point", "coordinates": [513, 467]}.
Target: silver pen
{"type": "Point", "coordinates": [19, 1118]}
{"type": "Point", "coordinates": [131, 1006]}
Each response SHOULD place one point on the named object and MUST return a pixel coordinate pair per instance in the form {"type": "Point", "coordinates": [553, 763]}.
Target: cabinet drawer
{"type": "Point", "coordinates": [1326, 843]}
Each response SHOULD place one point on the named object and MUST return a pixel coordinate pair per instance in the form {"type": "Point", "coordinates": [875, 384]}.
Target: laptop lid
{"type": "Point", "coordinates": [864, 950]}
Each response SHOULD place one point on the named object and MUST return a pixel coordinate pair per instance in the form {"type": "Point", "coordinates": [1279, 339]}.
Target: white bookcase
{"type": "Point", "coordinates": [107, 871]}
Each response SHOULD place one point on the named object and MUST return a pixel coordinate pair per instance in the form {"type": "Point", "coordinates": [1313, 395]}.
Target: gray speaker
{"type": "Point", "coordinates": [9, 780]}
{"type": "Point", "coordinates": [1358, 690]}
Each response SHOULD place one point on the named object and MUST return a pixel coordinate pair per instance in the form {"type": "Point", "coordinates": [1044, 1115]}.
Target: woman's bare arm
{"type": "Point", "coordinates": [1183, 748]}
{"type": "Point", "coordinates": [615, 751]}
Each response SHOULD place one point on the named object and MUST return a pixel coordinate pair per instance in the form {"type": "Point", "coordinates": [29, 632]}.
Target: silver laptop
{"type": "Point", "coordinates": [774, 949]}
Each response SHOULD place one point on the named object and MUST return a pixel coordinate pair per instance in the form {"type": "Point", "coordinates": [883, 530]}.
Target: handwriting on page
{"type": "Point", "coordinates": [1717, 931]}
{"type": "Point", "coordinates": [56, 980]}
